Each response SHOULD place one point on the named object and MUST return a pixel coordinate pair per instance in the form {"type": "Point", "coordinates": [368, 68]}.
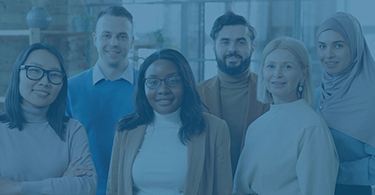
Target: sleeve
{"type": "Point", "coordinates": [241, 183]}
{"type": "Point", "coordinates": [112, 184]}
{"type": "Point", "coordinates": [223, 168]}
{"type": "Point", "coordinates": [317, 162]}
{"type": "Point", "coordinates": [358, 172]}
{"type": "Point", "coordinates": [78, 146]}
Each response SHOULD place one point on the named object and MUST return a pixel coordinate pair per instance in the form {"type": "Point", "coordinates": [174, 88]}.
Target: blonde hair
{"type": "Point", "coordinates": [298, 49]}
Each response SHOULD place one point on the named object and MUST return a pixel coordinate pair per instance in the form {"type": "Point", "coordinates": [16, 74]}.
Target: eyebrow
{"type": "Point", "coordinates": [168, 75]}
{"type": "Point", "coordinates": [339, 41]}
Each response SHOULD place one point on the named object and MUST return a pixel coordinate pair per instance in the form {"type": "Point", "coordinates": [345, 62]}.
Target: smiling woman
{"type": "Point", "coordinates": [42, 151]}
{"type": "Point", "coordinates": [168, 145]}
{"type": "Point", "coordinates": [289, 149]}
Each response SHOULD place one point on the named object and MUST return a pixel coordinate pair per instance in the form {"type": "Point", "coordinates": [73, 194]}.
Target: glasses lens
{"type": "Point", "coordinates": [34, 72]}
{"type": "Point", "coordinates": [173, 81]}
{"type": "Point", "coordinates": [55, 77]}
{"type": "Point", "coordinates": [152, 83]}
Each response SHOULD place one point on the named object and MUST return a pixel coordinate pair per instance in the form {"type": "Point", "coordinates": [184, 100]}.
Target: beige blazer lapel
{"type": "Point", "coordinates": [212, 96]}
{"type": "Point", "coordinates": [196, 160]}
{"type": "Point", "coordinates": [133, 142]}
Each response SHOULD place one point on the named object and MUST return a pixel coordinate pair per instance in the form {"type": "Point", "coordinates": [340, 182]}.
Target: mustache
{"type": "Point", "coordinates": [232, 55]}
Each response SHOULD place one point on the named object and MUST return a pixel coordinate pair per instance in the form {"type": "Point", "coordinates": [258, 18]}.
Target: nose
{"type": "Point", "coordinates": [232, 47]}
{"type": "Point", "coordinates": [163, 88]}
{"type": "Point", "coordinates": [114, 41]}
{"type": "Point", "coordinates": [329, 52]}
{"type": "Point", "coordinates": [277, 73]}
{"type": "Point", "coordinates": [44, 80]}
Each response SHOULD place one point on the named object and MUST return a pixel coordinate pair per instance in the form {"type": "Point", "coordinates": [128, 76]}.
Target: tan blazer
{"type": "Point", "coordinates": [209, 92]}
{"type": "Point", "coordinates": [209, 166]}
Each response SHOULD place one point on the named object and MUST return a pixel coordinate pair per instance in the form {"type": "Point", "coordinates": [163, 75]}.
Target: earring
{"type": "Point", "coordinates": [300, 89]}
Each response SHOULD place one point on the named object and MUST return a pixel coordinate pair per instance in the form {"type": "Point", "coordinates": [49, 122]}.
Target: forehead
{"type": "Point", "coordinates": [114, 24]}
{"type": "Point", "coordinates": [330, 36]}
{"type": "Point", "coordinates": [44, 59]}
{"type": "Point", "coordinates": [281, 55]}
{"type": "Point", "coordinates": [161, 68]}
{"type": "Point", "coordinates": [234, 31]}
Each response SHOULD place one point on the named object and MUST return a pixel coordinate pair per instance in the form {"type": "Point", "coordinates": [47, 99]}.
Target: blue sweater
{"type": "Point", "coordinates": [357, 162]}
{"type": "Point", "coordinates": [99, 107]}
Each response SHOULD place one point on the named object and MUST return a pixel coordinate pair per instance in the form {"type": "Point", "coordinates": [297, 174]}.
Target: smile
{"type": "Point", "coordinates": [41, 92]}
{"type": "Point", "coordinates": [164, 102]}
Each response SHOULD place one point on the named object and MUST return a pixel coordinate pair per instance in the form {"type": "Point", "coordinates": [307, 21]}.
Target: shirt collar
{"type": "Point", "coordinates": [97, 74]}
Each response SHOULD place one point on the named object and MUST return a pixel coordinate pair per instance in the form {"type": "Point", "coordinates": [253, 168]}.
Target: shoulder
{"type": "Point", "coordinates": [81, 76]}
{"type": "Point", "coordinates": [214, 123]}
{"type": "Point", "coordinates": [209, 82]}
{"type": "Point", "coordinates": [72, 126]}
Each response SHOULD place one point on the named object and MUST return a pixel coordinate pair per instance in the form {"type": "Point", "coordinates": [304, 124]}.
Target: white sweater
{"type": "Point", "coordinates": [288, 150]}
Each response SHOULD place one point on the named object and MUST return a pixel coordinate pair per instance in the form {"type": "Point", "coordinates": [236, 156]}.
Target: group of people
{"type": "Point", "coordinates": [113, 129]}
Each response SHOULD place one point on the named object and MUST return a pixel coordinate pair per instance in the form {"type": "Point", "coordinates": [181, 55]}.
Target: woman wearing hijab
{"type": "Point", "coordinates": [346, 100]}
{"type": "Point", "coordinates": [168, 145]}
{"type": "Point", "coordinates": [289, 149]}
{"type": "Point", "coordinates": [41, 150]}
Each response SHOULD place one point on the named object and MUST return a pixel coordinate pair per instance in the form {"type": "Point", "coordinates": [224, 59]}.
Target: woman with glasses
{"type": "Point", "coordinates": [168, 145]}
{"type": "Point", "coordinates": [345, 100]}
{"type": "Point", "coordinates": [42, 151]}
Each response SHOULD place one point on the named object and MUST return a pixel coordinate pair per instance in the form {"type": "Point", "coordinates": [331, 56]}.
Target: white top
{"type": "Point", "coordinates": [37, 157]}
{"type": "Point", "coordinates": [288, 150]}
{"type": "Point", "coordinates": [160, 166]}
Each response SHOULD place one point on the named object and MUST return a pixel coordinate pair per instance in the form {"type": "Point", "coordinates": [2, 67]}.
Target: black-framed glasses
{"type": "Point", "coordinates": [36, 73]}
{"type": "Point", "coordinates": [154, 83]}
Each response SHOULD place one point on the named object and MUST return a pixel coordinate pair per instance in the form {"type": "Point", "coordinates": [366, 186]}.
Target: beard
{"type": "Point", "coordinates": [233, 70]}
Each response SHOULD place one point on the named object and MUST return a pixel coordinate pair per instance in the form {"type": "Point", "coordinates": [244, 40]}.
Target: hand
{"type": "Point", "coordinates": [9, 187]}
{"type": "Point", "coordinates": [77, 170]}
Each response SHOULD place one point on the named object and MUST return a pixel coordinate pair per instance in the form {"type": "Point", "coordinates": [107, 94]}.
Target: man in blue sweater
{"type": "Point", "coordinates": [100, 96]}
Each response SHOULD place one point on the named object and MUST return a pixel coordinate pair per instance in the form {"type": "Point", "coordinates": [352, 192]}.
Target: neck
{"type": "Point", "coordinates": [112, 72]}
{"type": "Point", "coordinates": [34, 115]}
{"type": "Point", "coordinates": [243, 77]}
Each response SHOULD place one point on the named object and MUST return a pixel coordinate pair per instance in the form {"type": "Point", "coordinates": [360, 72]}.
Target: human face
{"type": "Point", "coordinates": [282, 73]}
{"type": "Point", "coordinates": [164, 99]}
{"type": "Point", "coordinates": [113, 38]}
{"type": "Point", "coordinates": [333, 52]}
{"type": "Point", "coordinates": [39, 93]}
{"type": "Point", "coordinates": [233, 49]}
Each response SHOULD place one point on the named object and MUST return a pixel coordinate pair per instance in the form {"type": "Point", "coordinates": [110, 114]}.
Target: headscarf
{"type": "Point", "coordinates": [347, 101]}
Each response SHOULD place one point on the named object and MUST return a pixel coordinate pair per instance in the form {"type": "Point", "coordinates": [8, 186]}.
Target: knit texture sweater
{"type": "Point", "coordinates": [234, 100]}
{"type": "Point", "coordinates": [99, 107]}
{"type": "Point", "coordinates": [37, 157]}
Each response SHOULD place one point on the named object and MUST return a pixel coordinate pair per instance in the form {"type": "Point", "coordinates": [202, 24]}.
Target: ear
{"type": "Point", "coordinates": [304, 73]}
{"type": "Point", "coordinates": [252, 48]}
{"type": "Point", "coordinates": [132, 42]}
{"type": "Point", "coordinates": [94, 38]}
{"type": "Point", "coordinates": [213, 46]}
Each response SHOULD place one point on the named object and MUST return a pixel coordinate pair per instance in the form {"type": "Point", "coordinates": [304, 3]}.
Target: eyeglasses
{"type": "Point", "coordinates": [36, 73]}
{"type": "Point", "coordinates": [154, 83]}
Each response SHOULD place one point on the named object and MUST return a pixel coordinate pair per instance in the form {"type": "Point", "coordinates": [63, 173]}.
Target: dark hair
{"type": "Point", "coordinates": [56, 111]}
{"type": "Point", "coordinates": [193, 122]}
{"type": "Point", "coordinates": [115, 10]}
{"type": "Point", "coordinates": [230, 18]}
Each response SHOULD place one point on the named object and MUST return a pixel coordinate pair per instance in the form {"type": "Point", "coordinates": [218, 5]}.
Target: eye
{"type": "Point", "coordinates": [173, 81]}
{"type": "Point", "coordinates": [55, 74]}
{"type": "Point", "coordinates": [339, 45]}
{"type": "Point", "coordinates": [123, 37]}
{"type": "Point", "coordinates": [242, 42]}
{"type": "Point", "coordinates": [321, 46]}
{"type": "Point", "coordinates": [152, 82]}
{"type": "Point", "coordinates": [224, 42]}
{"type": "Point", "coordinates": [288, 66]}
{"type": "Point", "coordinates": [269, 66]}
{"type": "Point", "coordinates": [106, 36]}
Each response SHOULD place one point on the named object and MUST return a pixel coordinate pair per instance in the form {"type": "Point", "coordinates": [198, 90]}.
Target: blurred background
{"type": "Point", "coordinates": [180, 24]}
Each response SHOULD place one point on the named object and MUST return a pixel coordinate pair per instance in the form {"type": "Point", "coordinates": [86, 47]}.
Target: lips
{"type": "Point", "coordinates": [331, 64]}
{"type": "Point", "coordinates": [164, 102]}
{"type": "Point", "coordinates": [113, 52]}
{"type": "Point", "coordinates": [278, 83]}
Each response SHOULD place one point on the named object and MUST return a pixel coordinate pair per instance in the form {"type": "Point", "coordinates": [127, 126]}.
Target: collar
{"type": "Point", "coordinates": [97, 74]}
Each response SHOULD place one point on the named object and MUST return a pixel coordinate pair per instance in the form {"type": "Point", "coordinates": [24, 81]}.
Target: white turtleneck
{"type": "Point", "coordinates": [160, 166]}
{"type": "Point", "coordinates": [37, 157]}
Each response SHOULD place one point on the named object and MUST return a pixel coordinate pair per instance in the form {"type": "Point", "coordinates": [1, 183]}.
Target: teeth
{"type": "Point", "coordinates": [41, 92]}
